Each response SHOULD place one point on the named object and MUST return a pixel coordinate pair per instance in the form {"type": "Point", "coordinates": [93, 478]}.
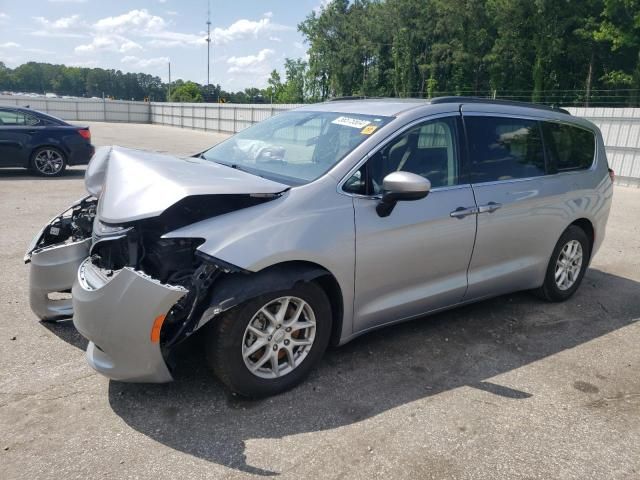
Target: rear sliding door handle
{"type": "Point", "coordinates": [462, 212]}
{"type": "Point", "coordinates": [489, 207]}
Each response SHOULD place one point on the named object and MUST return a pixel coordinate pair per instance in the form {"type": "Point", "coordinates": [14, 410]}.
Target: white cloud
{"type": "Point", "coordinates": [139, 20]}
{"type": "Point", "coordinates": [67, 1]}
{"type": "Point", "coordinates": [275, 39]}
{"type": "Point", "coordinates": [4, 16]}
{"type": "Point", "coordinates": [9, 45]}
{"type": "Point", "coordinates": [109, 43]}
{"type": "Point", "coordinates": [172, 13]}
{"type": "Point", "coordinates": [145, 62]}
{"type": "Point", "coordinates": [175, 39]}
{"type": "Point", "coordinates": [70, 27]}
{"type": "Point", "coordinates": [244, 28]}
{"type": "Point", "coordinates": [250, 63]}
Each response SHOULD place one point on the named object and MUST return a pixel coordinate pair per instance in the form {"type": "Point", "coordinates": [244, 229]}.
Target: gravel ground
{"type": "Point", "coordinates": [507, 388]}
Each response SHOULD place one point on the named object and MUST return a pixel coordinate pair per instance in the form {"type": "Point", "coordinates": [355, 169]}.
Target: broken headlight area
{"type": "Point", "coordinates": [73, 225]}
{"type": "Point", "coordinates": [171, 261]}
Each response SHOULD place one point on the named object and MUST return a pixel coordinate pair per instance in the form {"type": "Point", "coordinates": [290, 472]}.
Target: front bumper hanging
{"type": "Point", "coordinates": [117, 314]}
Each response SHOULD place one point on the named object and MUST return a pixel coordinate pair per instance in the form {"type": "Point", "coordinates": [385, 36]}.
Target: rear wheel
{"type": "Point", "coordinates": [567, 266]}
{"type": "Point", "coordinates": [270, 343]}
{"type": "Point", "coordinates": [48, 162]}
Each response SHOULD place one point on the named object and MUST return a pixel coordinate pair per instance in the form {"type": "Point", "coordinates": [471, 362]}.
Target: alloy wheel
{"type": "Point", "coordinates": [48, 162]}
{"type": "Point", "coordinates": [568, 265]}
{"type": "Point", "coordinates": [279, 337]}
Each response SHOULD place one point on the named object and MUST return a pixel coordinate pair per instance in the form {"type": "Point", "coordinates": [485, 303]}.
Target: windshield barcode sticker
{"type": "Point", "coordinates": [351, 122]}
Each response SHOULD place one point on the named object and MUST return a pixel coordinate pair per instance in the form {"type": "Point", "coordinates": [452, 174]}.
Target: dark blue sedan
{"type": "Point", "coordinates": [40, 142]}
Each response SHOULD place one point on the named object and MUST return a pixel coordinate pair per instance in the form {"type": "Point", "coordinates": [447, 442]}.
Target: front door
{"type": "Point", "coordinates": [416, 259]}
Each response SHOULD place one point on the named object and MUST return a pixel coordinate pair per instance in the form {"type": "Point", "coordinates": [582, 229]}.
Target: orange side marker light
{"type": "Point", "coordinates": [157, 326]}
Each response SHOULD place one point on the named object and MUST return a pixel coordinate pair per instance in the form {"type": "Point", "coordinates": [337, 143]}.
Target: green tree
{"type": "Point", "coordinates": [188, 92]}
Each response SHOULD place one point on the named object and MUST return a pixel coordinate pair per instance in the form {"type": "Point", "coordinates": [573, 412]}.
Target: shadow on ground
{"type": "Point", "coordinates": [24, 174]}
{"type": "Point", "coordinates": [377, 372]}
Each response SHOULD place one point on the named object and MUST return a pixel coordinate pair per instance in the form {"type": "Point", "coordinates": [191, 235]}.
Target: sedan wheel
{"type": "Point", "coordinates": [48, 162]}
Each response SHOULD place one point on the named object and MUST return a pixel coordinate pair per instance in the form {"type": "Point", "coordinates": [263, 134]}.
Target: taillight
{"type": "Point", "coordinates": [85, 133]}
{"type": "Point", "coordinates": [612, 175]}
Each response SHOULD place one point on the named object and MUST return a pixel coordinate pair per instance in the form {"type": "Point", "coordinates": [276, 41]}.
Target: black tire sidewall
{"type": "Point", "coordinates": [551, 288]}
{"type": "Point", "coordinates": [224, 348]}
{"type": "Point", "coordinates": [32, 162]}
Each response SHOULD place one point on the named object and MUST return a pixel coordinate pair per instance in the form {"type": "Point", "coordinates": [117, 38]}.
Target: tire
{"type": "Point", "coordinates": [554, 290]}
{"type": "Point", "coordinates": [48, 162]}
{"type": "Point", "coordinates": [230, 340]}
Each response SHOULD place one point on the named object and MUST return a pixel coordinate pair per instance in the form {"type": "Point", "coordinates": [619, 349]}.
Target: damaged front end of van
{"type": "Point", "coordinates": [110, 261]}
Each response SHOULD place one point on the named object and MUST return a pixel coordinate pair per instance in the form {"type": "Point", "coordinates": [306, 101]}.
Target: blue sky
{"type": "Point", "coordinates": [250, 37]}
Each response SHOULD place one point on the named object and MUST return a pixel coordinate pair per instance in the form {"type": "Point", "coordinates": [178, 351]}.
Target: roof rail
{"type": "Point", "coordinates": [351, 97]}
{"type": "Point", "coordinates": [490, 101]}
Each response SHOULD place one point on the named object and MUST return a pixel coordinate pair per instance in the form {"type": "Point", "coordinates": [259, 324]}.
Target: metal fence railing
{"type": "Point", "coordinates": [84, 109]}
{"type": "Point", "coordinates": [620, 126]}
{"type": "Point", "coordinates": [218, 117]}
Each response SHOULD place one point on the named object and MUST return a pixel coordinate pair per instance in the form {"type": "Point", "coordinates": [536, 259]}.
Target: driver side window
{"type": "Point", "coordinates": [428, 149]}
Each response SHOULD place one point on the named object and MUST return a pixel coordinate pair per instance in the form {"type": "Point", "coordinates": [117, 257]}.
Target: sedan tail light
{"type": "Point", "coordinates": [85, 133]}
{"type": "Point", "coordinates": [612, 175]}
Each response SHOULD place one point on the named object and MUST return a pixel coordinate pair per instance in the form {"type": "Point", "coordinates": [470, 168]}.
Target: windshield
{"type": "Point", "coordinates": [295, 147]}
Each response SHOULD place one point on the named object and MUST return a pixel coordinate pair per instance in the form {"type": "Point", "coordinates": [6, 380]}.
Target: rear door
{"type": "Point", "coordinates": [415, 260]}
{"type": "Point", "coordinates": [516, 207]}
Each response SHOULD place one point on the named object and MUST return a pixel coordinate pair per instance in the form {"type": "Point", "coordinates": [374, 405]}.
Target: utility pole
{"type": "Point", "coordinates": [208, 45]}
{"type": "Point", "coordinates": [169, 99]}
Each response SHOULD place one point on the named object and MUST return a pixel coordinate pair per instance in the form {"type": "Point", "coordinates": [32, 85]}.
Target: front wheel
{"type": "Point", "coordinates": [48, 162]}
{"type": "Point", "coordinates": [567, 266]}
{"type": "Point", "coordinates": [270, 343]}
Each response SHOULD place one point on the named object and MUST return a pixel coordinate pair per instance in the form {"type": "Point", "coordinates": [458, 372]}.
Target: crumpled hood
{"type": "Point", "coordinates": [134, 184]}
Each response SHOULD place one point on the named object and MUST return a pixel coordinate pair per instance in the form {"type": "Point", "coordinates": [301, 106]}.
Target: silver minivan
{"type": "Point", "coordinates": [316, 226]}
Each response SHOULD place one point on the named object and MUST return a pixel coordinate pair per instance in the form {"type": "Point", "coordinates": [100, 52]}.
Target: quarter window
{"type": "Point", "coordinates": [504, 149]}
{"type": "Point", "coordinates": [569, 147]}
{"type": "Point", "coordinates": [8, 117]}
{"type": "Point", "coordinates": [428, 149]}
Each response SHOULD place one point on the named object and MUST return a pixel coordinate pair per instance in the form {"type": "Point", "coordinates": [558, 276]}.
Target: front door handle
{"type": "Point", "coordinates": [462, 212]}
{"type": "Point", "coordinates": [489, 207]}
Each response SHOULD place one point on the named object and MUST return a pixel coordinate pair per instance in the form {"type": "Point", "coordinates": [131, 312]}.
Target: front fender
{"type": "Point", "coordinates": [307, 225]}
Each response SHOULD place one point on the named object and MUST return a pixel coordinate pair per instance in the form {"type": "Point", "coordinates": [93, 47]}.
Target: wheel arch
{"type": "Point", "coordinates": [587, 227]}
{"type": "Point", "coordinates": [233, 289]}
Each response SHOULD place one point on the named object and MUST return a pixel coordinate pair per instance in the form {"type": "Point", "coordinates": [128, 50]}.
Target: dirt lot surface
{"type": "Point", "coordinates": [507, 388]}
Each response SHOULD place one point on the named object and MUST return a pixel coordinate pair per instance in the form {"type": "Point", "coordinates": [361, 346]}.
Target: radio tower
{"type": "Point", "coordinates": [208, 44]}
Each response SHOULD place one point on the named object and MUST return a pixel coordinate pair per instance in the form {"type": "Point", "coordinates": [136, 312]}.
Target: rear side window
{"type": "Point", "coordinates": [570, 148]}
{"type": "Point", "coordinates": [8, 117]}
{"type": "Point", "coordinates": [14, 118]}
{"type": "Point", "coordinates": [504, 149]}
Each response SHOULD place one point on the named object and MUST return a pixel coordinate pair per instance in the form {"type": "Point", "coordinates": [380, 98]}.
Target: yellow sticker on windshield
{"type": "Point", "coordinates": [369, 129]}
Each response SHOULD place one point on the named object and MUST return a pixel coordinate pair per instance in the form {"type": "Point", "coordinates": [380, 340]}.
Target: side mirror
{"type": "Point", "coordinates": [401, 186]}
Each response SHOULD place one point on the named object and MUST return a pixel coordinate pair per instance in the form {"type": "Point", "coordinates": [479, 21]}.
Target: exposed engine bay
{"type": "Point", "coordinates": [140, 246]}
{"type": "Point", "coordinates": [72, 225]}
